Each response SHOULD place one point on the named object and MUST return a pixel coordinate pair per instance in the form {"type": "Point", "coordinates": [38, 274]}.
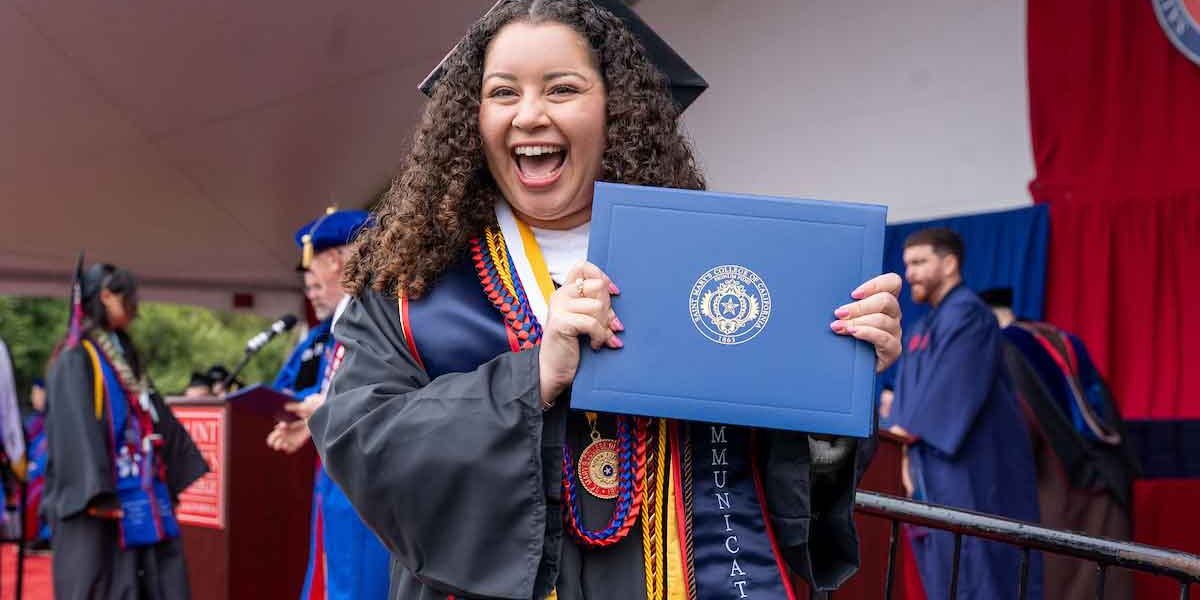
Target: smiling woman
{"type": "Point", "coordinates": [448, 424]}
{"type": "Point", "coordinates": [448, 183]}
{"type": "Point", "coordinates": [542, 121]}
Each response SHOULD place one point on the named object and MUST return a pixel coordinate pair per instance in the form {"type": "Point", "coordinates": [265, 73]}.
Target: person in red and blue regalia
{"type": "Point", "coordinates": [346, 561]}
{"type": "Point", "coordinates": [449, 424]}
{"type": "Point", "coordinates": [117, 458]}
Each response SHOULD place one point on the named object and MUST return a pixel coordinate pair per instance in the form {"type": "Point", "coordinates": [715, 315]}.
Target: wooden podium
{"type": "Point", "coordinates": [245, 524]}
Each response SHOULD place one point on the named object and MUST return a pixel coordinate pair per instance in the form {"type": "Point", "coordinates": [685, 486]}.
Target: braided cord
{"type": "Point", "coordinates": [652, 533]}
{"type": "Point", "coordinates": [688, 504]}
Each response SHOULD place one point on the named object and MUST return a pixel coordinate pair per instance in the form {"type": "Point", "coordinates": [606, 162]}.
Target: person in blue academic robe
{"type": "Point", "coordinates": [346, 560]}
{"type": "Point", "coordinates": [968, 444]}
{"type": "Point", "coordinates": [301, 374]}
{"type": "Point", "coordinates": [37, 456]}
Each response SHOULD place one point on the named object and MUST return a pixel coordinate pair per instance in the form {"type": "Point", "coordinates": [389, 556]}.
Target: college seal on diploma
{"type": "Point", "coordinates": [730, 304]}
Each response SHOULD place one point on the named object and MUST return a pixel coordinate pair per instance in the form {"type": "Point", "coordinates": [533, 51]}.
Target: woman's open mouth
{"type": "Point", "coordinates": [539, 166]}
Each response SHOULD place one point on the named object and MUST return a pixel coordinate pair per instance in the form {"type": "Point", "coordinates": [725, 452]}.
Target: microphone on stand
{"type": "Point", "coordinates": [256, 343]}
{"type": "Point", "coordinates": [285, 323]}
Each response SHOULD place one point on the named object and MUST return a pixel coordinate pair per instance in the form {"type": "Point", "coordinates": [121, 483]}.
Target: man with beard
{"type": "Point", "coordinates": [967, 445]}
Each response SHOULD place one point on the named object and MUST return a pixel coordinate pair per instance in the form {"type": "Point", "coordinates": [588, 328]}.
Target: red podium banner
{"type": "Point", "coordinates": [203, 503]}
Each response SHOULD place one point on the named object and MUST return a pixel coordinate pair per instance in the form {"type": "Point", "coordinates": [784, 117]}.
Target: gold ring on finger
{"type": "Point", "coordinates": [579, 287]}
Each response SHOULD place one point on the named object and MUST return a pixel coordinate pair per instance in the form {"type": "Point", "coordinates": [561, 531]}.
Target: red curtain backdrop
{"type": "Point", "coordinates": [1115, 117]}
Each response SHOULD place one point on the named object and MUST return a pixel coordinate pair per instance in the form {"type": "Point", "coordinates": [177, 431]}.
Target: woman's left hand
{"type": "Point", "coordinates": [874, 318]}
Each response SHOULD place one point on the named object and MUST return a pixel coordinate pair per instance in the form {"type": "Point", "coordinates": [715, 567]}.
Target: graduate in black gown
{"type": "Point", "coordinates": [449, 424]}
{"type": "Point", "coordinates": [118, 458]}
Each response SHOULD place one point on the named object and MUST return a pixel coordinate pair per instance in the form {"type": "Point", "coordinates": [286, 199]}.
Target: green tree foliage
{"type": "Point", "coordinates": [174, 340]}
{"type": "Point", "coordinates": [30, 327]}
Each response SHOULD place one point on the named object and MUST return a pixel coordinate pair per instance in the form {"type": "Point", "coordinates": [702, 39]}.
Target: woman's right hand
{"type": "Point", "coordinates": [582, 306]}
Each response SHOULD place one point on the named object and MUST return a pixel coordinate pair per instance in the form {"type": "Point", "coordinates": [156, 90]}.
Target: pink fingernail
{"type": "Point", "coordinates": [617, 343]}
{"type": "Point", "coordinates": [858, 294]}
{"type": "Point", "coordinates": [842, 313]}
{"type": "Point", "coordinates": [837, 326]}
{"type": "Point", "coordinates": [613, 289]}
{"type": "Point", "coordinates": [617, 325]}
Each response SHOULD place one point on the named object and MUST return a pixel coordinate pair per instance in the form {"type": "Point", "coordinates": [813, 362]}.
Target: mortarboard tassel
{"type": "Point", "coordinates": [306, 241]}
{"type": "Point", "coordinates": [306, 254]}
{"type": "Point", "coordinates": [75, 320]}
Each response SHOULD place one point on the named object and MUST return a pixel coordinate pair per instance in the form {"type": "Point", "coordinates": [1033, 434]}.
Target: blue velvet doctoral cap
{"type": "Point", "coordinates": [334, 228]}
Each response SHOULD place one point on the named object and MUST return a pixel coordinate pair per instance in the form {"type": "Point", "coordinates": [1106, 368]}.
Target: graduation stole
{"type": "Point", "coordinates": [139, 473]}
{"type": "Point", "coordinates": [715, 543]}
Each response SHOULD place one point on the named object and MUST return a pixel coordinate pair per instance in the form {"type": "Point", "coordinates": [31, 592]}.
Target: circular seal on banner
{"type": "Point", "coordinates": [1180, 19]}
{"type": "Point", "coordinates": [730, 304]}
{"type": "Point", "coordinates": [598, 469]}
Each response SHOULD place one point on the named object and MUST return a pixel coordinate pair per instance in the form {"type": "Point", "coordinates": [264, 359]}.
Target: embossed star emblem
{"type": "Point", "coordinates": [729, 306]}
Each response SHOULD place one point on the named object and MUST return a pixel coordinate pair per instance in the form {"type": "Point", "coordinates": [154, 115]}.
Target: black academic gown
{"type": "Point", "coordinates": [460, 474]}
{"type": "Point", "coordinates": [88, 562]}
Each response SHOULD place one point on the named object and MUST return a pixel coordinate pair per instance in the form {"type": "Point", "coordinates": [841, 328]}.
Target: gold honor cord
{"type": "Point", "coordinates": [652, 537]}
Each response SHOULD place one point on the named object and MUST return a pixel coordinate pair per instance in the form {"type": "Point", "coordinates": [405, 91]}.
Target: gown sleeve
{"type": "Point", "coordinates": [184, 462]}
{"type": "Point", "coordinates": [811, 509]}
{"type": "Point", "coordinates": [959, 375]}
{"type": "Point", "coordinates": [449, 473]}
{"type": "Point", "coordinates": [79, 471]}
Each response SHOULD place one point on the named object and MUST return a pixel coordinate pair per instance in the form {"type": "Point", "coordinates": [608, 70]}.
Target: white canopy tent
{"type": "Point", "coordinates": [188, 140]}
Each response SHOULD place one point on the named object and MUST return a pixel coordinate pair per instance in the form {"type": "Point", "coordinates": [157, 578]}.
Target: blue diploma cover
{"type": "Point", "coordinates": [727, 300]}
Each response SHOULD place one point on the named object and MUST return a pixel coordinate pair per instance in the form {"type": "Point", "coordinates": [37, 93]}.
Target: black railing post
{"type": "Point", "coordinates": [1023, 586]}
{"type": "Point", "coordinates": [891, 566]}
{"type": "Point", "coordinates": [1101, 571]}
{"type": "Point", "coordinates": [954, 567]}
{"type": "Point", "coordinates": [1185, 590]}
{"type": "Point", "coordinates": [20, 591]}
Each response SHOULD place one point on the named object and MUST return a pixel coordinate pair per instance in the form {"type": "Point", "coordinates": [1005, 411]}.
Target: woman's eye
{"type": "Point", "coordinates": [502, 93]}
{"type": "Point", "coordinates": [562, 90]}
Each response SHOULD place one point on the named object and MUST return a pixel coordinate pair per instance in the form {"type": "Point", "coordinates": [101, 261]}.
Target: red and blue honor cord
{"type": "Point", "coordinates": [496, 274]}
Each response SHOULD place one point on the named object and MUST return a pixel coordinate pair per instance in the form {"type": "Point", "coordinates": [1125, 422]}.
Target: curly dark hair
{"type": "Point", "coordinates": [445, 193]}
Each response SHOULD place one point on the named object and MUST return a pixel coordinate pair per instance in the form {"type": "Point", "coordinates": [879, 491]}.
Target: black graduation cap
{"type": "Point", "coordinates": [686, 84]}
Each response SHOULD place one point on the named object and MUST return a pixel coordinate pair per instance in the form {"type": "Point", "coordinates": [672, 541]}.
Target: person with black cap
{"type": "Point", "coordinates": [1085, 465]}
{"type": "Point", "coordinates": [345, 559]}
{"type": "Point", "coordinates": [199, 386]}
{"type": "Point", "coordinates": [118, 458]}
{"type": "Point", "coordinates": [449, 425]}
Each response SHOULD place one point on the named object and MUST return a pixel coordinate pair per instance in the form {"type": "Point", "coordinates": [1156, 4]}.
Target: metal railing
{"type": "Point", "coordinates": [18, 589]}
{"type": "Point", "coordinates": [1105, 553]}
